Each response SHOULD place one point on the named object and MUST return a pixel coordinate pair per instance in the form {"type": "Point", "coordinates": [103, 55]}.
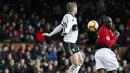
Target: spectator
{"type": "Point", "coordinates": [2, 65]}
{"type": "Point", "coordinates": [3, 33]}
{"type": "Point", "coordinates": [127, 34]}
{"type": "Point", "coordinates": [27, 54]}
{"type": "Point", "coordinates": [12, 66]}
{"type": "Point", "coordinates": [82, 40]}
{"type": "Point", "coordinates": [28, 57]}
{"type": "Point", "coordinates": [15, 36]}
{"type": "Point", "coordinates": [127, 54]}
{"type": "Point", "coordinates": [87, 61]}
{"type": "Point", "coordinates": [6, 70]}
{"type": "Point", "coordinates": [55, 66]}
{"type": "Point", "coordinates": [21, 32]}
{"type": "Point", "coordinates": [30, 67]}
{"type": "Point", "coordinates": [29, 38]}
{"type": "Point", "coordinates": [53, 54]}
{"type": "Point", "coordinates": [1, 52]}
{"type": "Point", "coordinates": [92, 61]}
{"type": "Point", "coordinates": [37, 66]}
{"type": "Point", "coordinates": [89, 70]}
{"type": "Point", "coordinates": [13, 52]}
{"type": "Point", "coordinates": [5, 51]}
{"type": "Point", "coordinates": [128, 23]}
{"type": "Point", "coordinates": [66, 63]}
{"type": "Point", "coordinates": [21, 67]}
{"type": "Point", "coordinates": [50, 68]}
{"type": "Point", "coordinates": [88, 51]}
{"type": "Point", "coordinates": [82, 70]}
{"type": "Point", "coordinates": [39, 36]}
{"type": "Point", "coordinates": [93, 69]}
{"type": "Point", "coordinates": [9, 57]}
{"type": "Point", "coordinates": [35, 52]}
{"type": "Point", "coordinates": [21, 51]}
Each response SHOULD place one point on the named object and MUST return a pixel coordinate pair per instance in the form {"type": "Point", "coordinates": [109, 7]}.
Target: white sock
{"type": "Point", "coordinates": [71, 69]}
{"type": "Point", "coordinates": [77, 68]}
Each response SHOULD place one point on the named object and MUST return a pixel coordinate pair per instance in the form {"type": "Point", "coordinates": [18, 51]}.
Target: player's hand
{"type": "Point", "coordinates": [46, 34]}
{"type": "Point", "coordinates": [63, 33]}
{"type": "Point", "coordinates": [117, 33]}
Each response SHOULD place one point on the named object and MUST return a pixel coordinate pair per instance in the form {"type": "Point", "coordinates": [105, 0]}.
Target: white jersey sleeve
{"type": "Point", "coordinates": [66, 23]}
{"type": "Point", "coordinates": [56, 30]}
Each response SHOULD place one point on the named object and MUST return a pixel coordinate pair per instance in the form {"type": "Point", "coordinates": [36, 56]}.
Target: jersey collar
{"type": "Point", "coordinates": [71, 14]}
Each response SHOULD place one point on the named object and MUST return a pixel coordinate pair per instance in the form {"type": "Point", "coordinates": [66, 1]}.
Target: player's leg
{"type": "Point", "coordinates": [80, 60]}
{"type": "Point", "coordinates": [112, 62]}
{"type": "Point", "coordinates": [77, 60]}
{"type": "Point", "coordinates": [109, 60]}
{"type": "Point", "coordinates": [99, 58]}
{"type": "Point", "coordinates": [73, 52]}
{"type": "Point", "coordinates": [101, 70]}
{"type": "Point", "coordinates": [74, 63]}
{"type": "Point", "coordinates": [113, 71]}
{"type": "Point", "coordinates": [112, 65]}
{"type": "Point", "coordinates": [72, 56]}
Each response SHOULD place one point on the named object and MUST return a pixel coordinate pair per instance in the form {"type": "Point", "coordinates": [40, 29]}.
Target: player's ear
{"type": "Point", "coordinates": [72, 9]}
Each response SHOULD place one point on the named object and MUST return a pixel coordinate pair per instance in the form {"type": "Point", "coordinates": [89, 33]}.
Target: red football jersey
{"type": "Point", "coordinates": [106, 37]}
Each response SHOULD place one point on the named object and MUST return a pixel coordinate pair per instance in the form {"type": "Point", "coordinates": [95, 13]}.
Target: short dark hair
{"type": "Point", "coordinates": [106, 20]}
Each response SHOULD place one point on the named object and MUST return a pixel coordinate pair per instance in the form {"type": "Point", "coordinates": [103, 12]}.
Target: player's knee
{"type": "Point", "coordinates": [75, 64]}
{"type": "Point", "coordinates": [81, 60]}
{"type": "Point", "coordinates": [113, 71]}
{"type": "Point", "coordinates": [101, 70]}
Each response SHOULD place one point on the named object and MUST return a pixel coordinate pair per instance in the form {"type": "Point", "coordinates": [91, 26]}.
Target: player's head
{"type": "Point", "coordinates": [107, 21]}
{"type": "Point", "coordinates": [72, 7]}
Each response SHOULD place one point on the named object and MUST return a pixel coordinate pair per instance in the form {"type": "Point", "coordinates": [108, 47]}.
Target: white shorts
{"type": "Point", "coordinates": [106, 59]}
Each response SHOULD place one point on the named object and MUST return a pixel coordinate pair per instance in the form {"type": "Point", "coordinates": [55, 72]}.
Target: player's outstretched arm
{"type": "Point", "coordinates": [46, 34]}
{"type": "Point", "coordinates": [63, 33]}
{"type": "Point", "coordinates": [56, 30]}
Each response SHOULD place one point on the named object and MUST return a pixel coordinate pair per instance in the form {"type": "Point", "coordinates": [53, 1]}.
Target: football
{"type": "Point", "coordinates": [92, 25]}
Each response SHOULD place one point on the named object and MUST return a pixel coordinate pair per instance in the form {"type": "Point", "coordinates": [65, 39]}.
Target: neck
{"type": "Point", "coordinates": [72, 13]}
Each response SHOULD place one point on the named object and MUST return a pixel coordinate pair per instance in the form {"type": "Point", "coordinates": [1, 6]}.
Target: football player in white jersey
{"type": "Point", "coordinates": [70, 33]}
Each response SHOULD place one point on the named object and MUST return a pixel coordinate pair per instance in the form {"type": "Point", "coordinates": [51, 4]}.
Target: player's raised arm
{"type": "Point", "coordinates": [109, 41]}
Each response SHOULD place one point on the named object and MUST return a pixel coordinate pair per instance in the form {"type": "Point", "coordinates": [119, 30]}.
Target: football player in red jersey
{"type": "Point", "coordinates": [105, 58]}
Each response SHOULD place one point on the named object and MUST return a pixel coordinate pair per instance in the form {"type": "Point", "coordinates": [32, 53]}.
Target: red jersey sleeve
{"type": "Point", "coordinates": [105, 37]}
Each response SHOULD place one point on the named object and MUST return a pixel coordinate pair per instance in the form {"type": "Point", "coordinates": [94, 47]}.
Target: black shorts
{"type": "Point", "coordinates": [70, 48]}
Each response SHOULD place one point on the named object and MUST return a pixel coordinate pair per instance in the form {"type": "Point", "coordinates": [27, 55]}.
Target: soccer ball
{"type": "Point", "coordinates": [92, 25]}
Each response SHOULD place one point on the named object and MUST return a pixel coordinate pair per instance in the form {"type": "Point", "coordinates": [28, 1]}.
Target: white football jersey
{"type": "Point", "coordinates": [69, 23]}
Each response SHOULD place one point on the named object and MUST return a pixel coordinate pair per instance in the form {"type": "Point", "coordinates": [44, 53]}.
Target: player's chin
{"type": "Point", "coordinates": [75, 13]}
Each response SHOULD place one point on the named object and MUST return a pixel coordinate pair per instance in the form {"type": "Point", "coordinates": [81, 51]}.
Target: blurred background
{"type": "Point", "coordinates": [23, 49]}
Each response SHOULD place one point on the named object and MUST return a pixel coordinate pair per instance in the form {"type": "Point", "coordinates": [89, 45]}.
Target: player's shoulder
{"type": "Point", "coordinates": [103, 29]}
{"type": "Point", "coordinates": [68, 15]}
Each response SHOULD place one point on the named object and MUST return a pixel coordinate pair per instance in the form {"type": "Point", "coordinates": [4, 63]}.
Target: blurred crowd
{"type": "Point", "coordinates": [40, 59]}
{"type": "Point", "coordinates": [48, 58]}
{"type": "Point", "coordinates": [25, 22]}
